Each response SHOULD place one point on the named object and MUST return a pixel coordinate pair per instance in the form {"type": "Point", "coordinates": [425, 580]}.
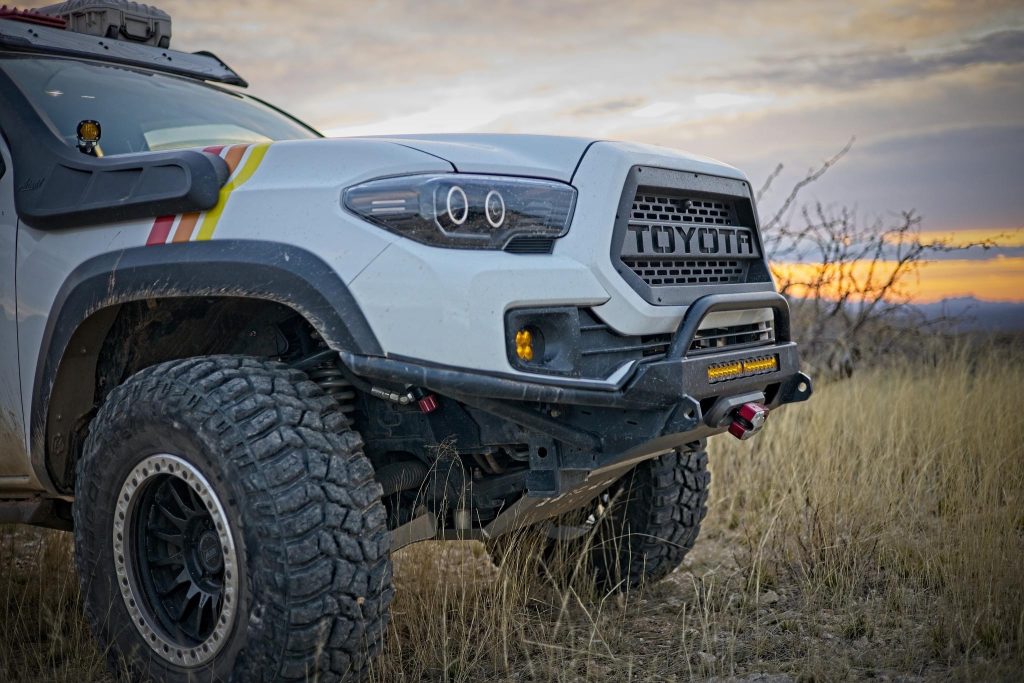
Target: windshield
{"type": "Point", "coordinates": [142, 111]}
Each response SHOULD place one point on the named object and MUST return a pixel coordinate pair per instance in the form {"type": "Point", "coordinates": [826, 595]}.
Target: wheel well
{"type": "Point", "coordinates": [117, 341]}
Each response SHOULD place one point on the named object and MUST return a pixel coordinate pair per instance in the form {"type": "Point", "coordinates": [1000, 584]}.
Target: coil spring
{"type": "Point", "coordinates": [333, 382]}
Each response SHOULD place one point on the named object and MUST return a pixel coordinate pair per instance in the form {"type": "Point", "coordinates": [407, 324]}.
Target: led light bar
{"type": "Point", "coordinates": [748, 367]}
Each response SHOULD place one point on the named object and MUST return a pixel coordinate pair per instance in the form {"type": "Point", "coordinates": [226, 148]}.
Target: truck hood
{"type": "Point", "coordinates": [540, 156]}
{"type": "Point", "coordinates": [545, 156]}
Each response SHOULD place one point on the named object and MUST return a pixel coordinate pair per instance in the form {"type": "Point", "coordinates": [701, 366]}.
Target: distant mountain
{"type": "Point", "coordinates": [970, 314]}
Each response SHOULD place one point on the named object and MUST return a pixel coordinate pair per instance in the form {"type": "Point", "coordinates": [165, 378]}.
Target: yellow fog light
{"type": "Point", "coordinates": [524, 345]}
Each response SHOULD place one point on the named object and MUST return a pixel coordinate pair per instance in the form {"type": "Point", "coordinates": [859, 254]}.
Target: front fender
{"type": "Point", "coordinates": [276, 272]}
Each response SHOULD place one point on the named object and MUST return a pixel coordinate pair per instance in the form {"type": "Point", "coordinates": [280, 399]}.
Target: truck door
{"type": "Point", "coordinates": [15, 471]}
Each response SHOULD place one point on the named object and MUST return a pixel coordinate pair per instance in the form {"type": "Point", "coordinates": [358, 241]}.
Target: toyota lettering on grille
{"type": "Point", "coordinates": [689, 240]}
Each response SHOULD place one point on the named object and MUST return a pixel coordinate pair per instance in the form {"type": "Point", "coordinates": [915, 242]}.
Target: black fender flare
{"type": "Point", "coordinates": [269, 271]}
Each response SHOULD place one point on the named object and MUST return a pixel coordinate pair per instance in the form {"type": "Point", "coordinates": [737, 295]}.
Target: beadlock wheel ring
{"type": "Point", "coordinates": [181, 594]}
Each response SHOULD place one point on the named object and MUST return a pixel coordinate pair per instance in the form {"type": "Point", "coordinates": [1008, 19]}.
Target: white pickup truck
{"type": "Point", "coordinates": [244, 363]}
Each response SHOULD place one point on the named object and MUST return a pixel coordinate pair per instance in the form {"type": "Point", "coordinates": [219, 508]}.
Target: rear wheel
{"type": "Point", "coordinates": [638, 531]}
{"type": "Point", "coordinates": [228, 527]}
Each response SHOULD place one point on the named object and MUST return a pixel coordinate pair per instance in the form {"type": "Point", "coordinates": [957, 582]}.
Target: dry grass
{"type": "Point", "coordinates": [876, 532]}
{"type": "Point", "coordinates": [45, 637]}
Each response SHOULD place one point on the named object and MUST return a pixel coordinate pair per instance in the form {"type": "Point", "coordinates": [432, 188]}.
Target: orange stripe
{"type": "Point", "coordinates": [233, 156]}
{"type": "Point", "coordinates": [185, 227]}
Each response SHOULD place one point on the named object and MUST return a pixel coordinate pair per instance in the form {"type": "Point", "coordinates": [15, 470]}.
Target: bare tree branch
{"type": "Point", "coordinates": [848, 280]}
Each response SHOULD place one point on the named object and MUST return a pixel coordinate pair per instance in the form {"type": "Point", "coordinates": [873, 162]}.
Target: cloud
{"type": "Point", "coordinates": [612, 106]}
{"type": "Point", "coordinates": [957, 178]}
{"type": "Point", "coordinates": [933, 89]}
{"type": "Point", "coordinates": [854, 69]}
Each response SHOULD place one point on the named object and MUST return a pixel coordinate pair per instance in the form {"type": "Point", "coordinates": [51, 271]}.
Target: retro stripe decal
{"type": "Point", "coordinates": [185, 227]}
{"type": "Point", "coordinates": [161, 228]}
{"type": "Point", "coordinates": [242, 162]}
{"type": "Point", "coordinates": [253, 162]}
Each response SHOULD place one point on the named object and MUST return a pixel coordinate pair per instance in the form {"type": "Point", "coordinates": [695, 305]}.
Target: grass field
{"type": "Point", "coordinates": [874, 532]}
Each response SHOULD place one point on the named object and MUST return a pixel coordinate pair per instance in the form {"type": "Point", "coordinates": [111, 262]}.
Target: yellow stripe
{"type": "Point", "coordinates": [248, 168]}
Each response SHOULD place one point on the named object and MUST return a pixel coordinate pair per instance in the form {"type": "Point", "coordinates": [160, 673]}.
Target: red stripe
{"type": "Point", "coordinates": [214, 150]}
{"type": "Point", "coordinates": [161, 229]}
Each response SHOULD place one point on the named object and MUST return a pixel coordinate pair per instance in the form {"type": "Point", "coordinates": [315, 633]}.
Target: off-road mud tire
{"type": "Point", "coordinates": [299, 497]}
{"type": "Point", "coordinates": [653, 519]}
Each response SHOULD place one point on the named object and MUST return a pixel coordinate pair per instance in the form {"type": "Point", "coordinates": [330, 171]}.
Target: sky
{"type": "Point", "coordinates": [930, 91]}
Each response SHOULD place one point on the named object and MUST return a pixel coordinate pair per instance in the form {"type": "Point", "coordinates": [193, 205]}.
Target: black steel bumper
{"type": "Point", "coordinates": [600, 431]}
{"type": "Point", "coordinates": [663, 404]}
{"type": "Point", "coordinates": [652, 386]}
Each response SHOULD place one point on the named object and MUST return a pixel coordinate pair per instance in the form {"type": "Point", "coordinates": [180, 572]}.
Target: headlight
{"type": "Point", "coordinates": [465, 211]}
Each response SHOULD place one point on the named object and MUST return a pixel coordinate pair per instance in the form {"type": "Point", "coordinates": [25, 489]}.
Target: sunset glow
{"type": "Point", "coordinates": [931, 90]}
{"type": "Point", "coordinates": [998, 279]}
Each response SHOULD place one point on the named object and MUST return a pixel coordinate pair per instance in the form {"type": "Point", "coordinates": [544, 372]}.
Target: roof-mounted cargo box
{"type": "Point", "coordinates": [116, 19]}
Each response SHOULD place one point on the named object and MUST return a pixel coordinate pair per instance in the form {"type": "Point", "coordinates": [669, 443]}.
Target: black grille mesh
{"type": "Point", "coordinates": [652, 208]}
{"type": "Point", "coordinates": [689, 272]}
{"type": "Point", "coordinates": [602, 350]}
{"type": "Point", "coordinates": [735, 337]}
{"type": "Point", "coordinates": [530, 245]}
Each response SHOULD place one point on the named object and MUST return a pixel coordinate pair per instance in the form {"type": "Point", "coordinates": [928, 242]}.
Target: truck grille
{"type": "Point", "coordinates": [602, 349]}
{"type": "Point", "coordinates": [660, 208]}
{"type": "Point", "coordinates": [674, 239]}
{"type": "Point", "coordinates": [711, 271]}
{"type": "Point", "coordinates": [735, 337]}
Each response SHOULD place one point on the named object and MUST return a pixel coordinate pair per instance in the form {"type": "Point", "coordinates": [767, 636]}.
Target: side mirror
{"type": "Point", "coordinates": [89, 132]}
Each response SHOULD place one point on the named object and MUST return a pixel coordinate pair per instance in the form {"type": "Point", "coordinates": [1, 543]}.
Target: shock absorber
{"type": "Point", "coordinates": [324, 368]}
{"type": "Point", "coordinates": [334, 383]}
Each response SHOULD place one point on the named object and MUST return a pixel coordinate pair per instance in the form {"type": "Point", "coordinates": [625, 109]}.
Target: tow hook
{"type": "Point", "coordinates": [748, 420]}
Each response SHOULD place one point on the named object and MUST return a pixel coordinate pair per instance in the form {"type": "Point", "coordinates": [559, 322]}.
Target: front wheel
{"type": "Point", "coordinates": [655, 521]}
{"type": "Point", "coordinates": [228, 527]}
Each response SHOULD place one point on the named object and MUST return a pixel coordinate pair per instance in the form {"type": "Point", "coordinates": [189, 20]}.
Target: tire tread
{"type": "Point", "coordinates": [293, 451]}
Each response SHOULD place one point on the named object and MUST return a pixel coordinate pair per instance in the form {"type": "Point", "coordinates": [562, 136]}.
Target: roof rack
{"type": "Point", "coordinates": [19, 35]}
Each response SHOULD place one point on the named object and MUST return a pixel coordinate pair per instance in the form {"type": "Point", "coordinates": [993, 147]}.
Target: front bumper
{"type": "Point", "coordinates": [651, 386]}
{"type": "Point", "coordinates": [661, 405]}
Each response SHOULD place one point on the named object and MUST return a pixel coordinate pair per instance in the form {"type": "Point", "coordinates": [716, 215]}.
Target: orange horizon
{"type": "Point", "coordinates": [999, 279]}
{"type": "Point", "coordinates": [996, 237]}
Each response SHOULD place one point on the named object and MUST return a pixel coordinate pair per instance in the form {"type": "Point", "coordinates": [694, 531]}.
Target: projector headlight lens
{"type": "Point", "coordinates": [465, 211]}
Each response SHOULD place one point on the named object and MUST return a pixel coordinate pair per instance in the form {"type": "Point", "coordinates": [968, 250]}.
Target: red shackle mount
{"type": "Point", "coordinates": [748, 420]}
